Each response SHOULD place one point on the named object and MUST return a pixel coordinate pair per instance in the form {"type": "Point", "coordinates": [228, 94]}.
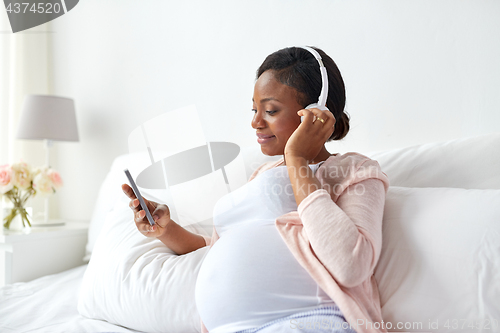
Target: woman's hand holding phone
{"type": "Point", "coordinates": [160, 212]}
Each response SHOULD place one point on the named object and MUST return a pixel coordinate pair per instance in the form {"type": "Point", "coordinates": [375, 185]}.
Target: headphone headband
{"type": "Point", "coordinates": [324, 78]}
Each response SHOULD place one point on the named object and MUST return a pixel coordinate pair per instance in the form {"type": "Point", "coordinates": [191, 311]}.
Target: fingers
{"type": "Point", "coordinates": [158, 213]}
{"type": "Point", "coordinates": [128, 191]}
{"type": "Point", "coordinates": [320, 122]}
{"type": "Point", "coordinates": [161, 216]}
{"type": "Point", "coordinates": [309, 116]}
{"type": "Point", "coordinates": [323, 114]}
{"type": "Point", "coordinates": [143, 224]}
{"type": "Point", "coordinates": [134, 204]}
{"type": "Point", "coordinates": [326, 120]}
{"type": "Point", "coordinates": [139, 216]}
{"type": "Point", "coordinates": [147, 229]}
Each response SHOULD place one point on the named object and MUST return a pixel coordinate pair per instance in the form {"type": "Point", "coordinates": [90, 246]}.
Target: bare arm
{"type": "Point", "coordinates": [180, 240]}
{"type": "Point", "coordinates": [301, 177]}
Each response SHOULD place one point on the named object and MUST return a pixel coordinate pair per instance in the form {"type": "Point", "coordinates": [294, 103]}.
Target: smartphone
{"type": "Point", "coordinates": [139, 196]}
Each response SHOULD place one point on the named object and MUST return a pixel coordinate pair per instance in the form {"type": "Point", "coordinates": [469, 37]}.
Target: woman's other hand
{"type": "Point", "coordinates": [310, 136]}
{"type": "Point", "coordinates": [160, 213]}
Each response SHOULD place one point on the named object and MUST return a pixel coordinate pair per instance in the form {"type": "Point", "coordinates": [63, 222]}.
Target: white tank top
{"type": "Point", "coordinates": [249, 277]}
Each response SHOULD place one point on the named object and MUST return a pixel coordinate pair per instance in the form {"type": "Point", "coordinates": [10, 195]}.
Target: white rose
{"type": "Point", "coordinates": [42, 183]}
{"type": "Point", "coordinates": [21, 175]}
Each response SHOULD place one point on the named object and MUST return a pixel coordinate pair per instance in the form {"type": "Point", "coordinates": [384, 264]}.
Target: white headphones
{"type": "Point", "coordinates": [321, 104]}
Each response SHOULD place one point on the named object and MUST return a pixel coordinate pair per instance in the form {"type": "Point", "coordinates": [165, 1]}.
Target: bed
{"type": "Point", "coordinates": [48, 304]}
{"type": "Point", "coordinates": [439, 269]}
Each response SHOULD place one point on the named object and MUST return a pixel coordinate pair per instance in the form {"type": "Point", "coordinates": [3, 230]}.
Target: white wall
{"type": "Point", "coordinates": [415, 71]}
{"type": "Point", "coordinates": [24, 59]}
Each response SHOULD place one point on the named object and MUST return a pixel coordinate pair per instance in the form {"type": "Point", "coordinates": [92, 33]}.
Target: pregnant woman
{"type": "Point", "coordinates": [294, 250]}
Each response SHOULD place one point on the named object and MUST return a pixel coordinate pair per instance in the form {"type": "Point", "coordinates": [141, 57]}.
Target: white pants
{"type": "Point", "coordinates": [323, 320]}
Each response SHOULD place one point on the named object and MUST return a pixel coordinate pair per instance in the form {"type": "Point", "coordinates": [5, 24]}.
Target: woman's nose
{"type": "Point", "coordinates": [257, 121]}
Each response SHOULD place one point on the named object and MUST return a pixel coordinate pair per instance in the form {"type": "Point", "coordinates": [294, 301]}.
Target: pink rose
{"type": "Point", "coordinates": [56, 179]}
{"type": "Point", "coordinates": [6, 183]}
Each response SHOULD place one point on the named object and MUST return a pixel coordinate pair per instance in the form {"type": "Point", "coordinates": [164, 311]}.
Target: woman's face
{"type": "Point", "coordinates": [275, 106]}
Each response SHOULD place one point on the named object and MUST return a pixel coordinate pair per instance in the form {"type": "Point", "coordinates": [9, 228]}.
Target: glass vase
{"type": "Point", "coordinates": [16, 218]}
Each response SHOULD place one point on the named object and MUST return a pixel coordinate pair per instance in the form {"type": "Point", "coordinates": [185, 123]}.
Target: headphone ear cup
{"type": "Point", "coordinates": [315, 105]}
{"type": "Point", "coordinates": [311, 106]}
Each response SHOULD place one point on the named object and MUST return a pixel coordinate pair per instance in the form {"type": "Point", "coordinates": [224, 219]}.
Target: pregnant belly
{"type": "Point", "coordinates": [249, 277]}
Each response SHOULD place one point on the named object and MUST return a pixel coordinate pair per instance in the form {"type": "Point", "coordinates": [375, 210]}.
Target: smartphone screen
{"type": "Point", "coordinates": [139, 196]}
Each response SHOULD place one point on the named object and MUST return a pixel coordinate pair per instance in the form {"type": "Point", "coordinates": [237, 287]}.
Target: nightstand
{"type": "Point", "coordinates": [42, 251]}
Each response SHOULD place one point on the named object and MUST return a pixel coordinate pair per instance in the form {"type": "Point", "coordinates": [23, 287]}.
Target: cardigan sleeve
{"type": "Point", "coordinates": [203, 327]}
{"type": "Point", "coordinates": [346, 235]}
{"type": "Point", "coordinates": [209, 241]}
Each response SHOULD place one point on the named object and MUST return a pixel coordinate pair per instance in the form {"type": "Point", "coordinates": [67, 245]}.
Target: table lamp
{"type": "Point", "coordinates": [48, 118]}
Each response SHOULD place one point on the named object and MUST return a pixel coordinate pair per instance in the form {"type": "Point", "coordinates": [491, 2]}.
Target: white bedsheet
{"type": "Point", "coordinates": [48, 304]}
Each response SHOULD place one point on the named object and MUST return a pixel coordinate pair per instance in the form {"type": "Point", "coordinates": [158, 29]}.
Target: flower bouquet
{"type": "Point", "coordinates": [19, 182]}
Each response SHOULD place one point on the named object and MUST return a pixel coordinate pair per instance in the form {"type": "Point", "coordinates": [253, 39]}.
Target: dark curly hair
{"type": "Point", "coordinates": [297, 68]}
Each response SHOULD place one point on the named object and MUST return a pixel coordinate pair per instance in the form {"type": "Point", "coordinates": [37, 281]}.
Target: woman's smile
{"type": "Point", "coordinates": [263, 139]}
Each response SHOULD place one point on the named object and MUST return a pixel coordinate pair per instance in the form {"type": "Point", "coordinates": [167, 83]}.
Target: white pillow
{"type": "Point", "coordinates": [109, 192]}
{"type": "Point", "coordinates": [472, 162]}
{"type": "Point", "coordinates": [137, 282]}
{"type": "Point", "coordinates": [440, 260]}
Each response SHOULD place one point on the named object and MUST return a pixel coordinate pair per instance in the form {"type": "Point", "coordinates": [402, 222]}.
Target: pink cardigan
{"type": "Point", "coordinates": [336, 235]}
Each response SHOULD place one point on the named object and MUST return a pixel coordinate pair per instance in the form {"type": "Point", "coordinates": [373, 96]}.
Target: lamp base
{"type": "Point", "coordinates": [46, 225]}
{"type": "Point", "coordinates": [40, 219]}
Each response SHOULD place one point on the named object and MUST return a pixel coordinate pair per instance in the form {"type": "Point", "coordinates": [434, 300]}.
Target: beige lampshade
{"type": "Point", "coordinates": [48, 117]}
